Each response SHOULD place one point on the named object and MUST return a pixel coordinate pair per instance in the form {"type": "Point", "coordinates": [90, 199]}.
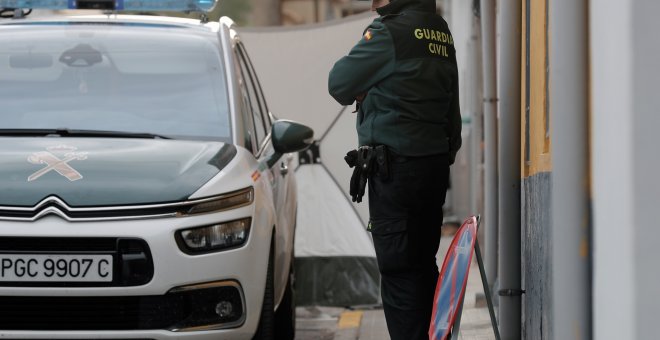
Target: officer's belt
{"type": "Point", "coordinates": [398, 158]}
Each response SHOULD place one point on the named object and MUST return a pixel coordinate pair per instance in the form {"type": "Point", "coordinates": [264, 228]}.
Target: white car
{"type": "Point", "coordinates": [145, 190]}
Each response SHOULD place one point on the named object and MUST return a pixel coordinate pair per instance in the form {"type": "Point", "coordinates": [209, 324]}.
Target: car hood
{"type": "Point", "coordinates": [87, 172]}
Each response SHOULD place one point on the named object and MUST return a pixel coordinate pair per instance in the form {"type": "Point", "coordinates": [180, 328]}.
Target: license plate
{"type": "Point", "coordinates": [55, 268]}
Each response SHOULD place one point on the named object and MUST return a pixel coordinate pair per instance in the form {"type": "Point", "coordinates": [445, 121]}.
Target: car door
{"type": "Point", "coordinates": [282, 184]}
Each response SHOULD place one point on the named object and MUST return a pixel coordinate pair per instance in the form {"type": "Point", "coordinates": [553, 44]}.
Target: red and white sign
{"type": "Point", "coordinates": [452, 281]}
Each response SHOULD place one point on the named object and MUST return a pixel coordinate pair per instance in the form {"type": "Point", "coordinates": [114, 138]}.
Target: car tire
{"type": "Point", "coordinates": [266, 329]}
{"type": "Point", "coordinates": [285, 316]}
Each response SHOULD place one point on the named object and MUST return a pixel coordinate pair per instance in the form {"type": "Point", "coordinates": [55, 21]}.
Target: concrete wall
{"type": "Point", "coordinates": [626, 163]}
{"type": "Point", "coordinates": [646, 140]}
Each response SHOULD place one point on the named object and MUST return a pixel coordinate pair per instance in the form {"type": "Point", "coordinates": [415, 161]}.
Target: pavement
{"type": "Point", "coordinates": [368, 323]}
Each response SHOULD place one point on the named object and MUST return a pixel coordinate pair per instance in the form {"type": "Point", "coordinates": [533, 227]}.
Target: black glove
{"type": "Point", "coordinates": [362, 162]}
{"type": "Point", "coordinates": [355, 185]}
{"type": "Point", "coordinates": [351, 159]}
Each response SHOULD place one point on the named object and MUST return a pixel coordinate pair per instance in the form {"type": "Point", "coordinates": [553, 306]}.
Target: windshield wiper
{"type": "Point", "coordinates": [79, 133]}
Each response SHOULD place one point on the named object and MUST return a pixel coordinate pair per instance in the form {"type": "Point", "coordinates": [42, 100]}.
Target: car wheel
{"type": "Point", "coordinates": [266, 328]}
{"type": "Point", "coordinates": [285, 316]}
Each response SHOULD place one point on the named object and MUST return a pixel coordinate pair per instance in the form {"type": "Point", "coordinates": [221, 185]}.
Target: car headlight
{"type": "Point", "coordinates": [228, 201]}
{"type": "Point", "coordinates": [216, 237]}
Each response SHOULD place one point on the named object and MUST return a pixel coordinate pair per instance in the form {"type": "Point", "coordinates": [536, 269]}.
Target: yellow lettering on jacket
{"type": "Point", "coordinates": [438, 49]}
{"type": "Point", "coordinates": [438, 41]}
{"type": "Point", "coordinates": [433, 35]}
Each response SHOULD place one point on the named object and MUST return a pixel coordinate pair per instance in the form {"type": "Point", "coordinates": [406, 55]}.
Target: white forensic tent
{"type": "Point", "coordinates": [335, 259]}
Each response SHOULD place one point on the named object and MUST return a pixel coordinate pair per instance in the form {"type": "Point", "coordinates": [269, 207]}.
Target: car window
{"type": "Point", "coordinates": [262, 99]}
{"type": "Point", "coordinates": [255, 105]}
{"type": "Point", "coordinates": [245, 108]}
{"type": "Point", "coordinates": [109, 77]}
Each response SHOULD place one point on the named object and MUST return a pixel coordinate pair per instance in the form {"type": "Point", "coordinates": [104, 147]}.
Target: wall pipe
{"type": "Point", "coordinates": [569, 107]}
{"type": "Point", "coordinates": [488, 61]}
{"type": "Point", "coordinates": [476, 110]}
{"type": "Point", "coordinates": [509, 168]}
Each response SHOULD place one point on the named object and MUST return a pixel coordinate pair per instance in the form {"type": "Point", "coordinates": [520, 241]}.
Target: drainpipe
{"type": "Point", "coordinates": [569, 86]}
{"type": "Point", "coordinates": [475, 108]}
{"type": "Point", "coordinates": [509, 168]}
{"type": "Point", "coordinates": [490, 136]}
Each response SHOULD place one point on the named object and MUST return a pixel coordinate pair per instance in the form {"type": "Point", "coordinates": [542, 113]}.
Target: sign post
{"type": "Point", "coordinates": [484, 281]}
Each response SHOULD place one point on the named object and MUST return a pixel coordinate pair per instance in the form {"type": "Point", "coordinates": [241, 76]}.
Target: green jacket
{"type": "Point", "coordinates": [405, 63]}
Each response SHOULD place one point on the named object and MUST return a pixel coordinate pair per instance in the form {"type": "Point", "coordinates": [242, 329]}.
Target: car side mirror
{"type": "Point", "coordinates": [289, 136]}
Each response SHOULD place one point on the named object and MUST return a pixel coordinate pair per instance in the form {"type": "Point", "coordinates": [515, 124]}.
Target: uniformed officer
{"type": "Point", "coordinates": [403, 75]}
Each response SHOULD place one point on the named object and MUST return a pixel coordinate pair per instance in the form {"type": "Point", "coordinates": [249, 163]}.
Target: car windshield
{"type": "Point", "coordinates": [153, 79]}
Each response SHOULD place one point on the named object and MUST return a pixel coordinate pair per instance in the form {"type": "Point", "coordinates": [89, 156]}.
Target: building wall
{"type": "Point", "coordinates": [536, 169]}
{"type": "Point", "coordinates": [626, 163]}
{"type": "Point", "coordinates": [296, 12]}
{"type": "Point", "coordinates": [646, 161]}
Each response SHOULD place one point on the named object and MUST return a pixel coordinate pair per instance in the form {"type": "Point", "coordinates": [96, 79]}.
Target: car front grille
{"type": "Point", "coordinates": [90, 313]}
{"type": "Point", "coordinates": [173, 311]}
{"type": "Point", "coordinates": [58, 244]}
{"type": "Point", "coordinates": [53, 205]}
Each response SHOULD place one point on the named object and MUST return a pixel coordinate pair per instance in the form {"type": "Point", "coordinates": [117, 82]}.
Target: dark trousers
{"type": "Point", "coordinates": [405, 221]}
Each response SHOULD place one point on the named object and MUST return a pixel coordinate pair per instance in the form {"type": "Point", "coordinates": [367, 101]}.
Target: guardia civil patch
{"type": "Point", "coordinates": [368, 35]}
